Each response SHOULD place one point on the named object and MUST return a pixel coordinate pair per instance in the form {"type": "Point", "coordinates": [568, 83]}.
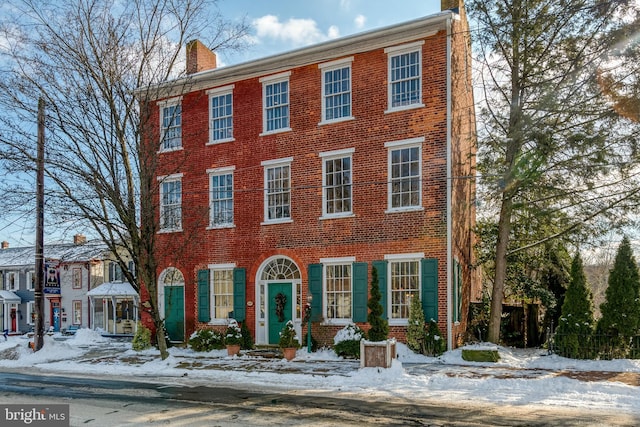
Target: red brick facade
{"type": "Point", "coordinates": [372, 231]}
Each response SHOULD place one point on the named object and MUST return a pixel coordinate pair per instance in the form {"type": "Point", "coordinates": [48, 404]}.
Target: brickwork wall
{"type": "Point", "coordinates": [368, 235]}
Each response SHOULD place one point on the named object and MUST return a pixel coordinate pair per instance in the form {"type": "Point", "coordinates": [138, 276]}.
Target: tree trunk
{"type": "Point", "coordinates": [497, 294]}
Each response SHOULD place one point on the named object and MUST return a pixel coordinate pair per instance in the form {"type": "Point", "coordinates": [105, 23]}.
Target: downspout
{"type": "Point", "coordinates": [449, 191]}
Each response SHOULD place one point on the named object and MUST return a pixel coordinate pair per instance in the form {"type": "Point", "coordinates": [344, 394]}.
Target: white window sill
{"type": "Point", "coordinates": [403, 210]}
{"type": "Point", "coordinates": [171, 150]}
{"type": "Point", "coordinates": [336, 322]}
{"type": "Point", "coordinates": [272, 132]}
{"type": "Point", "coordinates": [337, 216]}
{"type": "Point", "coordinates": [218, 322]}
{"type": "Point", "coordinates": [170, 230]}
{"type": "Point", "coordinates": [398, 322]}
{"type": "Point", "coordinates": [220, 226]}
{"type": "Point", "coordinates": [220, 141]}
{"type": "Point", "coordinates": [404, 108]}
{"type": "Point", "coordinates": [341, 119]}
{"type": "Point", "coordinates": [274, 222]}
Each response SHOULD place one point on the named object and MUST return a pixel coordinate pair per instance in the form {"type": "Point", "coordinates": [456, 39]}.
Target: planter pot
{"type": "Point", "coordinates": [233, 349]}
{"type": "Point", "coordinates": [289, 352]}
{"type": "Point", "coordinates": [377, 354]}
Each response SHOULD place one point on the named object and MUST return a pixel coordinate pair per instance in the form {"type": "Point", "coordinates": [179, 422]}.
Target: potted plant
{"type": "Point", "coordinates": [377, 351]}
{"type": "Point", "coordinates": [233, 338]}
{"type": "Point", "coordinates": [289, 341]}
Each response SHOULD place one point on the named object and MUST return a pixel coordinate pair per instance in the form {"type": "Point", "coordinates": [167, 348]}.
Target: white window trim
{"type": "Point", "coordinates": [221, 171]}
{"type": "Point", "coordinates": [267, 164]}
{"type": "Point", "coordinates": [30, 308]}
{"type": "Point", "coordinates": [329, 155]}
{"type": "Point", "coordinates": [268, 80]}
{"type": "Point", "coordinates": [331, 262]}
{"type": "Point", "coordinates": [409, 257]}
{"type": "Point", "coordinates": [212, 268]}
{"type": "Point", "coordinates": [219, 91]}
{"type": "Point", "coordinates": [330, 66]}
{"type": "Point", "coordinates": [16, 281]}
{"type": "Point", "coordinates": [395, 145]}
{"type": "Point", "coordinates": [161, 105]}
{"type": "Point", "coordinates": [30, 280]}
{"type": "Point", "coordinates": [167, 178]}
{"type": "Point", "coordinates": [400, 50]}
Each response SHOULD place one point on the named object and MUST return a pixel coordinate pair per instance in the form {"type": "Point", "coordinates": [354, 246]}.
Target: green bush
{"type": "Point", "coordinates": [434, 342]}
{"type": "Point", "coordinates": [346, 343]}
{"type": "Point", "coordinates": [247, 340]}
{"type": "Point", "coordinates": [206, 340]}
{"type": "Point", "coordinates": [480, 355]}
{"type": "Point", "coordinates": [415, 328]}
{"type": "Point", "coordinates": [142, 338]}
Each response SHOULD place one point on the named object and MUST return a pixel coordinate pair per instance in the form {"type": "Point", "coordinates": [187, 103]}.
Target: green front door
{"type": "Point", "coordinates": [174, 312]}
{"type": "Point", "coordinates": [280, 306]}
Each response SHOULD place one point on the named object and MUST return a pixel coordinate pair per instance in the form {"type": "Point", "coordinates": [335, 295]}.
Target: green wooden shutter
{"type": "Point", "coordinates": [360, 291]}
{"type": "Point", "coordinates": [430, 289]}
{"type": "Point", "coordinates": [381, 268]}
{"type": "Point", "coordinates": [239, 293]}
{"type": "Point", "coordinates": [314, 273]}
{"type": "Point", "coordinates": [204, 314]}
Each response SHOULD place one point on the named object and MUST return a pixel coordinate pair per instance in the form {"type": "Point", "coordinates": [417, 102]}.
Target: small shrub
{"type": "Point", "coordinates": [142, 338]}
{"type": "Point", "coordinates": [346, 343]}
{"type": "Point", "coordinates": [288, 336]}
{"type": "Point", "coordinates": [415, 328]}
{"type": "Point", "coordinates": [233, 335]}
{"type": "Point", "coordinates": [206, 340]}
{"type": "Point", "coordinates": [314, 342]}
{"type": "Point", "coordinates": [480, 355]}
{"type": "Point", "coordinates": [247, 340]}
{"type": "Point", "coordinates": [434, 343]}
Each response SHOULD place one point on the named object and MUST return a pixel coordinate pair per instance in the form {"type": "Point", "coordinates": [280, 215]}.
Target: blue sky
{"type": "Point", "coordinates": [282, 25]}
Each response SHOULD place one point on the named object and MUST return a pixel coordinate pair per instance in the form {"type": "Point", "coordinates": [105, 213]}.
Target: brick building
{"type": "Point", "coordinates": [294, 175]}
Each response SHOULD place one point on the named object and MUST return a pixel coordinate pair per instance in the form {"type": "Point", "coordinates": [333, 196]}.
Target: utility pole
{"type": "Point", "coordinates": [39, 268]}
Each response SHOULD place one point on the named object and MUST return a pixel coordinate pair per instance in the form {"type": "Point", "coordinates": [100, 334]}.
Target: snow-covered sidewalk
{"type": "Point", "coordinates": [521, 377]}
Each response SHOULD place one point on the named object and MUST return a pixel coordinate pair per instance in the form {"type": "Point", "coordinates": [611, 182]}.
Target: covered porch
{"type": "Point", "coordinates": [114, 308]}
{"type": "Point", "coordinates": [9, 303]}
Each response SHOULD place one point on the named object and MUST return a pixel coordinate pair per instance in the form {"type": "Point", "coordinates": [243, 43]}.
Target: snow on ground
{"type": "Point", "coordinates": [521, 377]}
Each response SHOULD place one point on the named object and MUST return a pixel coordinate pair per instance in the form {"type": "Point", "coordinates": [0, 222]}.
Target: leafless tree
{"type": "Point", "coordinates": [87, 58]}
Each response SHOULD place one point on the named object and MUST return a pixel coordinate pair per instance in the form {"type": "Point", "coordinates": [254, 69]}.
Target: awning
{"type": "Point", "coordinates": [113, 289]}
{"type": "Point", "coordinates": [9, 297]}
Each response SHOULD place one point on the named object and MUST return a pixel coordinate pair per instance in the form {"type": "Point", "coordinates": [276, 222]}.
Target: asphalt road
{"type": "Point", "coordinates": [107, 401]}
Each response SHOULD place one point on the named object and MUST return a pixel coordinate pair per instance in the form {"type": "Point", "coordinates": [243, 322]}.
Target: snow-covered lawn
{"type": "Point", "coordinates": [521, 377]}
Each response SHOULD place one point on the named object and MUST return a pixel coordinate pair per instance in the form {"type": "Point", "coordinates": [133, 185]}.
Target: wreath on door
{"type": "Point", "coordinates": [281, 300]}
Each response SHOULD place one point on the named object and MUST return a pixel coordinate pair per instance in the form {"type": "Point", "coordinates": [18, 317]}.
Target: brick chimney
{"type": "Point", "coordinates": [450, 4]}
{"type": "Point", "coordinates": [199, 57]}
{"type": "Point", "coordinates": [5, 244]}
{"type": "Point", "coordinates": [79, 239]}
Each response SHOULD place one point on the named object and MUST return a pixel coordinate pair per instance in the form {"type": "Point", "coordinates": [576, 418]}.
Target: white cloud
{"type": "Point", "coordinates": [298, 32]}
{"type": "Point", "coordinates": [360, 20]}
{"type": "Point", "coordinates": [345, 4]}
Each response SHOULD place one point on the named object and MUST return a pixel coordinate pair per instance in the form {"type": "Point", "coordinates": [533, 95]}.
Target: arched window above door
{"type": "Point", "coordinates": [171, 277]}
{"type": "Point", "coordinates": [280, 269]}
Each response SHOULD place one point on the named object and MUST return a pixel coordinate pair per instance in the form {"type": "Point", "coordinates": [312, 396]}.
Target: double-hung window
{"type": "Point", "coordinates": [338, 289]}
{"type": "Point", "coordinates": [221, 114]}
{"type": "Point", "coordinates": [77, 312]}
{"type": "Point", "coordinates": [12, 281]}
{"type": "Point", "coordinates": [275, 103]}
{"type": "Point", "coordinates": [277, 194]}
{"type": "Point", "coordinates": [170, 124]}
{"type": "Point", "coordinates": [171, 202]}
{"type": "Point", "coordinates": [221, 197]}
{"type": "Point", "coordinates": [221, 291]}
{"type": "Point", "coordinates": [336, 90]}
{"type": "Point", "coordinates": [31, 280]}
{"type": "Point", "coordinates": [404, 282]}
{"type": "Point", "coordinates": [31, 312]}
{"type": "Point", "coordinates": [405, 76]}
{"type": "Point", "coordinates": [405, 174]}
{"type": "Point", "coordinates": [337, 179]}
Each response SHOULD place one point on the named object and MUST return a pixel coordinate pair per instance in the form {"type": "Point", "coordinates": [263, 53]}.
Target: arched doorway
{"type": "Point", "coordinates": [278, 298]}
{"type": "Point", "coordinates": [171, 302]}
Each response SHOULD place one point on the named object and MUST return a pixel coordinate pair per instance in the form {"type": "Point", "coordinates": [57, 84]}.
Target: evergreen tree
{"type": "Point", "coordinates": [576, 323]}
{"type": "Point", "coordinates": [415, 328]}
{"type": "Point", "coordinates": [621, 309]}
{"type": "Point", "coordinates": [379, 327]}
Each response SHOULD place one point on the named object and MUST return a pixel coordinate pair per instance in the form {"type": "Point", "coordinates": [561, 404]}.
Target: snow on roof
{"type": "Point", "coordinates": [64, 252]}
{"type": "Point", "coordinates": [8, 296]}
{"type": "Point", "coordinates": [112, 289]}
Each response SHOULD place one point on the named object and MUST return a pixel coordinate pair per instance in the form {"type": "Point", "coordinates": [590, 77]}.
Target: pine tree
{"type": "Point", "coordinates": [415, 328]}
{"type": "Point", "coordinates": [621, 309]}
{"type": "Point", "coordinates": [576, 322]}
{"type": "Point", "coordinates": [379, 327]}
